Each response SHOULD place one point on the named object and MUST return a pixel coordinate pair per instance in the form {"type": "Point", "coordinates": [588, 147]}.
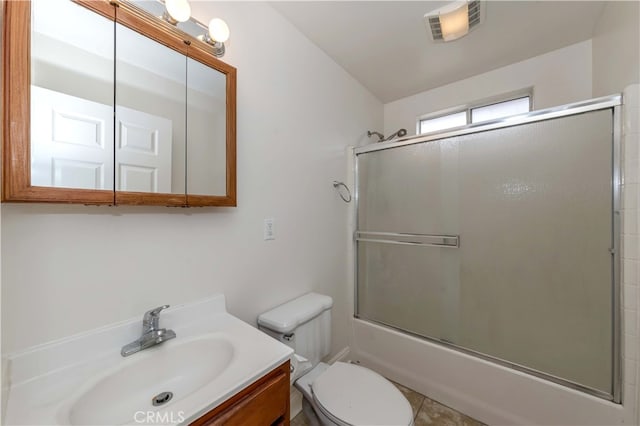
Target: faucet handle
{"type": "Point", "coordinates": [152, 318]}
{"type": "Point", "coordinates": [155, 311]}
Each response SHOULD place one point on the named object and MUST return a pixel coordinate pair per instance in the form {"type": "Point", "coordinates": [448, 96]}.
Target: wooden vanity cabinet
{"type": "Point", "coordinates": [263, 403]}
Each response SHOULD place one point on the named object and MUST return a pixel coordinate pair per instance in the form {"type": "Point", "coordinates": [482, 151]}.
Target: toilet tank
{"type": "Point", "coordinates": [304, 324]}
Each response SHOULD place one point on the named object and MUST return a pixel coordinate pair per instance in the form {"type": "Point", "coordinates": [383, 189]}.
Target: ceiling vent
{"type": "Point", "coordinates": [455, 20]}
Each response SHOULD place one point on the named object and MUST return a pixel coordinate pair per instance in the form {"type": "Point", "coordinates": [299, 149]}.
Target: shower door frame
{"type": "Point", "coordinates": [614, 103]}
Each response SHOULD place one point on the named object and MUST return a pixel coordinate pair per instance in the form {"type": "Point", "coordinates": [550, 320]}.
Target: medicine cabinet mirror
{"type": "Point", "coordinates": [107, 104]}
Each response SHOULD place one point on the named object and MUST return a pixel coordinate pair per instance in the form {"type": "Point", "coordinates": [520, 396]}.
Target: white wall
{"type": "Point", "coordinates": [66, 269]}
{"type": "Point", "coordinates": [616, 48]}
{"type": "Point", "coordinates": [558, 77]}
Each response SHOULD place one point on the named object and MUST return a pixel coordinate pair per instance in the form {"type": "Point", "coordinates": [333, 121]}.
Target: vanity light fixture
{"type": "Point", "coordinates": [455, 20]}
{"type": "Point", "coordinates": [176, 11]}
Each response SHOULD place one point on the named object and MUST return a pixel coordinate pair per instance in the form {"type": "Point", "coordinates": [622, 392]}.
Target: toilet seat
{"type": "Point", "coordinates": [349, 394]}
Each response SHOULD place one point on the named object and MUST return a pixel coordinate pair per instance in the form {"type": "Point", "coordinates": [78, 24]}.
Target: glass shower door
{"type": "Point", "coordinates": [413, 192]}
{"type": "Point", "coordinates": [497, 242]}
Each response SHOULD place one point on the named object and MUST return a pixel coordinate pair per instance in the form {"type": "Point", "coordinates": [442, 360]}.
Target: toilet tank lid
{"type": "Point", "coordinates": [286, 317]}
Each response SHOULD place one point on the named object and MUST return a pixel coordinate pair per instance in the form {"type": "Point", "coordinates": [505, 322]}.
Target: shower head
{"type": "Point", "coordinates": [400, 133]}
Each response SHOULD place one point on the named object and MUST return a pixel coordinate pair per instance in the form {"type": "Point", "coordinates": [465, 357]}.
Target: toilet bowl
{"type": "Point", "coordinates": [338, 394]}
{"type": "Point", "coordinates": [348, 394]}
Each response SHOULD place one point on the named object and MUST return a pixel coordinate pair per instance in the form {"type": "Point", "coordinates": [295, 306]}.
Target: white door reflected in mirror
{"type": "Point", "coordinates": [71, 141]}
{"type": "Point", "coordinates": [71, 145]}
{"type": "Point", "coordinates": [143, 151]}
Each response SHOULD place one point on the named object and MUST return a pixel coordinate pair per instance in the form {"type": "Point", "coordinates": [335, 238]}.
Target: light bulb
{"type": "Point", "coordinates": [218, 30]}
{"type": "Point", "coordinates": [180, 10]}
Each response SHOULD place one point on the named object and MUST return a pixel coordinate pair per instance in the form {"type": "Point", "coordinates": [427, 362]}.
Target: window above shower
{"type": "Point", "coordinates": [486, 110]}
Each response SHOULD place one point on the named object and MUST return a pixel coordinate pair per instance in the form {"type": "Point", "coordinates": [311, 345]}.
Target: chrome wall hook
{"type": "Point", "coordinates": [338, 185]}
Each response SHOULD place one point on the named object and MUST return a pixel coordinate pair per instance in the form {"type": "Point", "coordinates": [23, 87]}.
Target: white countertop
{"type": "Point", "coordinates": [46, 381]}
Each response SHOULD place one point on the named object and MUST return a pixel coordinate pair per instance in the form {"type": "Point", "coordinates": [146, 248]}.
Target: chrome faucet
{"type": "Point", "coordinates": [152, 334]}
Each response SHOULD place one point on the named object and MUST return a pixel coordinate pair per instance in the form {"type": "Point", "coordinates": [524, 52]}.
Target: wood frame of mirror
{"type": "Point", "coordinates": [16, 80]}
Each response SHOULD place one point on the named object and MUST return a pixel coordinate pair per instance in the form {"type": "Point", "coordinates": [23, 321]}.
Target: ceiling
{"type": "Point", "coordinates": [385, 44]}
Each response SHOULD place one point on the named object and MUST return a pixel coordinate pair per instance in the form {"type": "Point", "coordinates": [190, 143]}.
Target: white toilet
{"type": "Point", "coordinates": [339, 394]}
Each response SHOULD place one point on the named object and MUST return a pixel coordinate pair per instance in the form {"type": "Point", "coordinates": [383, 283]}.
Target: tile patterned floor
{"type": "Point", "coordinates": [426, 412]}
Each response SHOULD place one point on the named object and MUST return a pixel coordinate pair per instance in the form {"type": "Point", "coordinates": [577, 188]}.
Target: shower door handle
{"type": "Point", "coordinates": [448, 241]}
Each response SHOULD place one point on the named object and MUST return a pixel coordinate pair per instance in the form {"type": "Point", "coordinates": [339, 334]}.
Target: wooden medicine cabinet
{"type": "Point", "coordinates": [103, 103]}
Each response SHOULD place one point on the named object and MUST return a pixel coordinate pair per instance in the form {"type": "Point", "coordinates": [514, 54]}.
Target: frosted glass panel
{"type": "Point", "coordinates": [531, 282]}
{"type": "Point", "coordinates": [404, 286]}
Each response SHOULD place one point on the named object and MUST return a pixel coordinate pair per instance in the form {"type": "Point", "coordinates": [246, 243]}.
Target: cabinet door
{"type": "Point", "coordinates": [264, 403]}
{"type": "Point", "coordinates": [150, 135]}
{"type": "Point", "coordinates": [211, 129]}
{"type": "Point", "coordinates": [206, 130]}
{"type": "Point", "coordinates": [58, 85]}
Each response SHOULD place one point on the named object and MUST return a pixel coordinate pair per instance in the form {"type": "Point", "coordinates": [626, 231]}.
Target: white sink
{"type": "Point", "coordinates": [83, 379]}
{"type": "Point", "coordinates": [180, 368]}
